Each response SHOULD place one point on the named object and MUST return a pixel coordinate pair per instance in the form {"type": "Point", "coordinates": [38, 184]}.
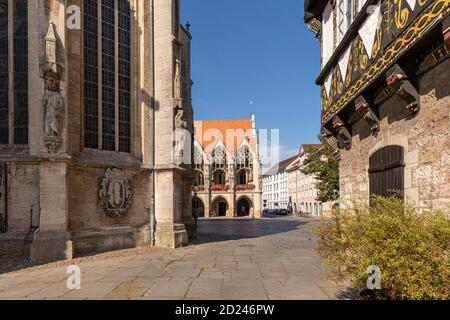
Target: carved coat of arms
{"type": "Point", "coordinates": [115, 193]}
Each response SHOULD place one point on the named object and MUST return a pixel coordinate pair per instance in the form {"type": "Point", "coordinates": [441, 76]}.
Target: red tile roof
{"type": "Point", "coordinates": [230, 132]}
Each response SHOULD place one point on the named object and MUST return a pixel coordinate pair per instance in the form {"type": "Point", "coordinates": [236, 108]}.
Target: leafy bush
{"type": "Point", "coordinates": [410, 248]}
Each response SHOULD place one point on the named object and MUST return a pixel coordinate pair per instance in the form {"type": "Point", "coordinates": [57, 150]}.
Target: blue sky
{"type": "Point", "coordinates": [256, 56]}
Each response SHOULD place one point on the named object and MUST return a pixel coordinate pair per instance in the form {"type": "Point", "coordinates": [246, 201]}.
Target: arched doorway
{"type": "Point", "coordinates": [243, 207]}
{"type": "Point", "coordinates": [198, 209]}
{"type": "Point", "coordinates": [219, 207]}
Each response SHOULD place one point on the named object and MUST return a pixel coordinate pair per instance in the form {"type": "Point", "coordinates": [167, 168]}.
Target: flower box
{"type": "Point", "coordinates": [243, 187]}
{"type": "Point", "coordinates": [220, 187]}
{"type": "Point", "coordinates": [198, 188]}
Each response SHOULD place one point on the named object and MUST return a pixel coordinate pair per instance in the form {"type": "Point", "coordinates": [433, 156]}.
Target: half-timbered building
{"type": "Point", "coordinates": [385, 92]}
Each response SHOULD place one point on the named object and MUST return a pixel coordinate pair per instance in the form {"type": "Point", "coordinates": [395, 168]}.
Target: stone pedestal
{"type": "Point", "coordinates": [51, 246]}
{"type": "Point", "coordinates": [52, 240]}
{"type": "Point", "coordinates": [171, 235]}
{"type": "Point", "coordinates": [188, 219]}
{"type": "Point", "coordinates": [170, 230]}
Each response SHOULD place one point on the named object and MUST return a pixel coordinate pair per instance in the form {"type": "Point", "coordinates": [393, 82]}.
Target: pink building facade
{"type": "Point", "coordinates": [302, 188]}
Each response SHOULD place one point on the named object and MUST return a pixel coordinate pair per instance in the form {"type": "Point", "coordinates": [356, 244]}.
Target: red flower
{"type": "Point", "coordinates": [242, 187]}
{"type": "Point", "coordinates": [220, 187]}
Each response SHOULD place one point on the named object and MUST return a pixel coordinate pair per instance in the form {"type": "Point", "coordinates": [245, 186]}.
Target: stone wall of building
{"type": "Point", "coordinates": [92, 230]}
{"type": "Point", "coordinates": [22, 200]}
{"type": "Point", "coordinates": [52, 197]}
{"type": "Point", "coordinates": [425, 138]}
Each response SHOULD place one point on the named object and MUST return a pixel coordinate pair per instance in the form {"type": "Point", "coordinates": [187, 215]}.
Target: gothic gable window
{"type": "Point", "coordinates": [386, 172]}
{"type": "Point", "coordinates": [244, 166]}
{"type": "Point", "coordinates": [198, 159]}
{"type": "Point", "coordinates": [199, 179]}
{"type": "Point", "coordinates": [219, 160]}
{"type": "Point", "coordinates": [219, 157]}
{"type": "Point", "coordinates": [244, 158]}
{"type": "Point", "coordinates": [198, 167]}
{"type": "Point", "coordinates": [107, 75]}
{"type": "Point", "coordinates": [219, 177]}
{"type": "Point", "coordinates": [13, 72]}
{"type": "Point", "coordinates": [241, 177]}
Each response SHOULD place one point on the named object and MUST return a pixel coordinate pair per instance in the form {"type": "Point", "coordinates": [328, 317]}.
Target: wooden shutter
{"type": "Point", "coordinates": [386, 172]}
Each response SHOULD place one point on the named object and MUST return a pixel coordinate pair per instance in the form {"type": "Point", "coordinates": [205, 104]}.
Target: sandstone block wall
{"type": "Point", "coordinates": [425, 138]}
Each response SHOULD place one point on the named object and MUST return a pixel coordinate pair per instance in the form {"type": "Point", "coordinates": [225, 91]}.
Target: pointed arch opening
{"type": "Point", "coordinates": [244, 206]}
{"type": "Point", "coordinates": [219, 207]}
{"type": "Point", "coordinates": [198, 208]}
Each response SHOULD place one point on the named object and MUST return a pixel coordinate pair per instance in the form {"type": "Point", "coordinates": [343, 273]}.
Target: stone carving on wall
{"type": "Point", "coordinates": [52, 100]}
{"type": "Point", "coordinates": [344, 137]}
{"type": "Point", "coordinates": [180, 135]}
{"type": "Point", "coordinates": [115, 195]}
{"type": "Point", "coordinates": [368, 115]}
{"type": "Point", "coordinates": [399, 78]}
{"type": "Point", "coordinates": [177, 80]}
{"type": "Point", "coordinates": [53, 104]}
{"type": "Point", "coordinates": [331, 141]}
{"type": "Point", "coordinates": [181, 124]}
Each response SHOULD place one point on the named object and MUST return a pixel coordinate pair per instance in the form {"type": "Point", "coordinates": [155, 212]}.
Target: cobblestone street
{"type": "Point", "coordinates": [272, 258]}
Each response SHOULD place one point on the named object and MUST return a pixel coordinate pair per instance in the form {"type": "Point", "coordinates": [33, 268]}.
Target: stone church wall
{"type": "Point", "coordinates": [92, 229]}
{"type": "Point", "coordinates": [52, 197]}
{"type": "Point", "coordinates": [23, 200]}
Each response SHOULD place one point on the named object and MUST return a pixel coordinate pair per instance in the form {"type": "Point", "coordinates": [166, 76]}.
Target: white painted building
{"type": "Point", "coordinates": [276, 186]}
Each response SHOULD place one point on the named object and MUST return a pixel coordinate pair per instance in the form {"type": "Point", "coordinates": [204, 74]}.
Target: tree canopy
{"type": "Point", "coordinates": [324, 166]}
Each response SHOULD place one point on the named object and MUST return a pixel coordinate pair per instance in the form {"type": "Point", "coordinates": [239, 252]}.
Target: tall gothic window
{"type": "Point", "coordinates": [107, 75]}
{"type": "Point", "coordinates": [244, 166]}
{"type": "Point", "coordinates": [219, 158]}
{"type": "Point", "coordinates": [13, 72]}
{"type": "Point", "coordinates": [198, 167]}
{"type": "Point", "coordinates": [219, 166]}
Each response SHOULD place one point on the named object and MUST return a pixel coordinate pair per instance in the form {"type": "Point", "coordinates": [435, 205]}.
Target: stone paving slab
{"type": "Point", "coordinates": [233, 259]}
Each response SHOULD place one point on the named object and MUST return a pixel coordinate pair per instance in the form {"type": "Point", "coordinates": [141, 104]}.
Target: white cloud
{"type": "Point", "coordinates": [275, 156]}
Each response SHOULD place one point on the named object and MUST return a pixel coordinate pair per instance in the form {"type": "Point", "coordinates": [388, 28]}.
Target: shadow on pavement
{"type": "Point", "coordinates": [218, 230]}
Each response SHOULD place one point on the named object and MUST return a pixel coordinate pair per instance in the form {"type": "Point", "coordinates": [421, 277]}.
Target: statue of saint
{"type": "Point", "coordinates": [180, 136]}
{"type": "Point", "coordinates": [53, 103]}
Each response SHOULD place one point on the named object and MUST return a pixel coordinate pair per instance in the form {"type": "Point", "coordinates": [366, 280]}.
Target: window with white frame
{"type": "Point", "coordinates": [344, 17]}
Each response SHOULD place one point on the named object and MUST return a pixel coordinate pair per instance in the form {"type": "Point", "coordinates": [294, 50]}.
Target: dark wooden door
{"type": "Point", "coordinates": [243, 208]}
{"type": "Point", "coordinates": [386, 172]}
{"type": "Point", "coordinates": [222, 209]}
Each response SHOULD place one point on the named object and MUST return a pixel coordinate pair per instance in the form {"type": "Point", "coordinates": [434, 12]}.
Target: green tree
{"type": "Point", "coordinates": [324, 166]}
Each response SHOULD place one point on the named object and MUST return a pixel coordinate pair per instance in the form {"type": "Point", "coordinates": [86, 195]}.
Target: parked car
{"type": "Point", "coordinates": [283, 212]}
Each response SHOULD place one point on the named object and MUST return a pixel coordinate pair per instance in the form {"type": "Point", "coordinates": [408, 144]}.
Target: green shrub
{"type": "Point", "coordinates": [410, 248]}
